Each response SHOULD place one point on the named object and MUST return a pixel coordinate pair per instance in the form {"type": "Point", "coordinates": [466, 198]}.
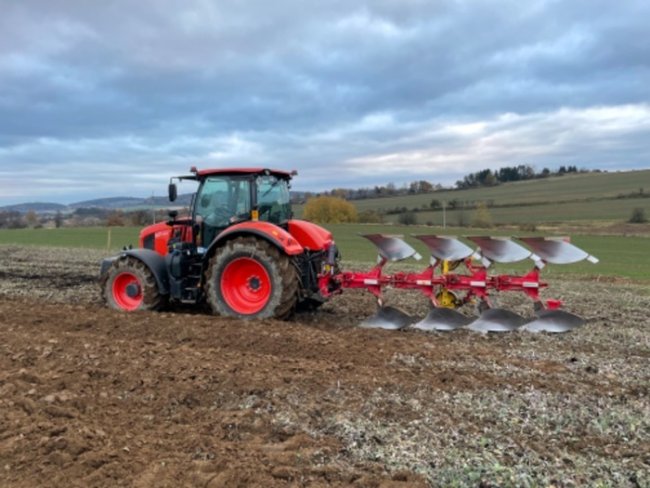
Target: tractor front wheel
{"type": "Point", "coordinates": [250, 278]}
{"type": "Point", "coordinates": [130, 285]}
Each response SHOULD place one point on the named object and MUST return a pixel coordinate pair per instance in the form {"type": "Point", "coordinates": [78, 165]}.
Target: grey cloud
{"type": "Point", "coordinates": [153, 85]}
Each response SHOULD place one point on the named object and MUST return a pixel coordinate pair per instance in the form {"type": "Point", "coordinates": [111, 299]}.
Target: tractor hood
{"type": "Point", "coordinates": [156, 237]}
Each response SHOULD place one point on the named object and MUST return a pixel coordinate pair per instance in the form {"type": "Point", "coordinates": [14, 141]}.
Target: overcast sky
{"type": "Point", "coordinates": [111, 98]}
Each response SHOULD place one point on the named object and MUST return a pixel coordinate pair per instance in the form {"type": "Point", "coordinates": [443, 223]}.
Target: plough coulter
{"type": "Point", "coordinates": [240, 251]}
{"type": "Point", "coordinates": [448, 290]}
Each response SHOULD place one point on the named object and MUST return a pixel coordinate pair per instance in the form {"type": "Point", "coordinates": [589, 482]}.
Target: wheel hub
{"type": "Point", "coordinates": [133, 290]}
{"type": "Point", "coordinates": [254, 283]}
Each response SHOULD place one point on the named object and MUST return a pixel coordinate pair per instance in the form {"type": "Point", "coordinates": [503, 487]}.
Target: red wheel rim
{"type": "Point", "coordinates": [246, 286]}
{"type": "Point", "coordinates": [127, 291]}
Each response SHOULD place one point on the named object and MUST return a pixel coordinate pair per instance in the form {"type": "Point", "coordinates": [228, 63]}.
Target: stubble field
{"type": "Point", "coordinates": [93, 397]}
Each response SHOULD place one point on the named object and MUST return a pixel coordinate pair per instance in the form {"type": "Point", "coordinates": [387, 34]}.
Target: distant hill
{"type": "Point", "coordinates": [108, 203]}
{"type": "Point", "coordinates": [112, 203]}
{"type": "Point", "coordinates": [126, 203]}
{"type": "Point", "coordinates": [38, 207]}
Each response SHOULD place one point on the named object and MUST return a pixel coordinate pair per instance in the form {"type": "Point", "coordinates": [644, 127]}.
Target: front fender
{"type": "Point", "coordinates": [151, 259]}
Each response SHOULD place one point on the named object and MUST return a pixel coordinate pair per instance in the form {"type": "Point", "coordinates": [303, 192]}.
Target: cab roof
{"type": "Point", "coordinates": [202, 173]}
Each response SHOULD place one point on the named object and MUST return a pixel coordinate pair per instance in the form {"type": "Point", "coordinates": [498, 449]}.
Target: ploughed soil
{"type": "Point", "coordinates": [94, 397]}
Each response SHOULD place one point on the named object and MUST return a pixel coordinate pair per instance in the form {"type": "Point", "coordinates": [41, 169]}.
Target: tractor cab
{"type": "Point", "coordinates": [230, 196]}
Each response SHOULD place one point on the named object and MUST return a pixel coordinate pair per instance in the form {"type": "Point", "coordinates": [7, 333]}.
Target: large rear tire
{"type": "Point", "coordinates": [129, 285]}
{"type": "Point", "coordinates": [250, 278]}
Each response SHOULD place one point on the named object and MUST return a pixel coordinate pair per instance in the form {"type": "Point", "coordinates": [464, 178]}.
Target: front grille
{"type": "Point", "coordinates": [149, 242]}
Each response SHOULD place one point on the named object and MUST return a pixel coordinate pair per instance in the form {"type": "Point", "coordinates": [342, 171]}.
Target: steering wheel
{"type": "Point", "coordinates": [219, 216]}
{"type": "Point", "coordinates": [265, 208]}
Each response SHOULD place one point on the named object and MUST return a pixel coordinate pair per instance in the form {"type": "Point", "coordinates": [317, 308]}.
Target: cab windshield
{"type": "Point", "coordinates": [221, 201]}
{"type": "Point", "coordinates": [273, 199]}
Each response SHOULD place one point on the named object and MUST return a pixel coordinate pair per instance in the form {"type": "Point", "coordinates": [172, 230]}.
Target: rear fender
{"type": "Point", "coordinates": [151, 259]}
{"type": "Point", "coordinates": [265, 230]}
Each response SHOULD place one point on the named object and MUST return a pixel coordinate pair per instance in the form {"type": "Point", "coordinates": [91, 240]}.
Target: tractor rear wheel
{"type": "Point", "coordinates": [130, 285]}
{"type": "Point", "coordinates": [250, 278]}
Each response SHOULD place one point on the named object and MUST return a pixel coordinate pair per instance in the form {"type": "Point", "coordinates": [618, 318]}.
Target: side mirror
{"type": "Point", "coordinates": [173, 192]}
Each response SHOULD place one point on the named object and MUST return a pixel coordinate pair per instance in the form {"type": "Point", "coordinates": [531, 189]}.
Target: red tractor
{"type": "Point", "coordinates": [240, 250]}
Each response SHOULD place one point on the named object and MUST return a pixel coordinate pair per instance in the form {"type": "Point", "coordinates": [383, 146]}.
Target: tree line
{"type": "Point", "coordinates": [521, 172]}
{"type": "Point", "coordinates": [389, 190]}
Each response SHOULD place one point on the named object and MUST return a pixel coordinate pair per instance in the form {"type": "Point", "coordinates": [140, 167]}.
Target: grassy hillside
{"type": "Point", "coordinates": [579, 186]}
{"type": "Point", "coordinates": [556, 212]}
{"type": "Point", "coordinates": [587, 196]}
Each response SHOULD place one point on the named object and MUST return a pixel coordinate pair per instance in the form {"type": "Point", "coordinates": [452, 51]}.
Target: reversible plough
{"type": "Point", "coordinates": [448, 289]}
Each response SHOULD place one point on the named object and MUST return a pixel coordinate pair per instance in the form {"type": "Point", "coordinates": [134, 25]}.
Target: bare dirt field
{"type": "Point", "coordinates": [92, 397]}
